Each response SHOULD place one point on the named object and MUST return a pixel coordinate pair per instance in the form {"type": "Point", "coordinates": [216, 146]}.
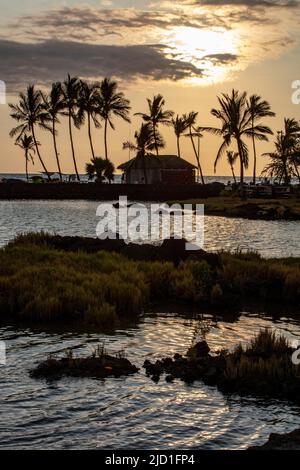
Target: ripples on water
{"type": "Point", "coordinates": [133, 412]}
{"type": "Point", "coordinates": [270, 238]}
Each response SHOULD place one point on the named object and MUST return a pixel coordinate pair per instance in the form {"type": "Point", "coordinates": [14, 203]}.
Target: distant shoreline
{"type": "Point", "coordinates": [106, 192]}
{"type": "Point", "coordinates": [211, 196]}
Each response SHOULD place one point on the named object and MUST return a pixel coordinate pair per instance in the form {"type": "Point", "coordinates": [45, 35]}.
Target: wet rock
{"type": "Point", "coordinates": [177, 356]}
{"type": "Point", "coordinates": [155, 378]}
{"type": "Point", "coordinates": [170, 378]}
{"type": "Point", "coordinates": [97, 367]}
{"type": "Point", "coordinates": [289, 441]}
{"type": "Point", "coordinates": [199, 350]}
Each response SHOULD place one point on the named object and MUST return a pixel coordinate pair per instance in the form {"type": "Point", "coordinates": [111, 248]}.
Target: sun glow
{"type": "Point", "coordinates": [213, 52]}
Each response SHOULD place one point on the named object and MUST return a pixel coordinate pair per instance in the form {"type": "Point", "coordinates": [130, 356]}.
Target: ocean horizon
{"type": "Point", "coordinates": [208, 179]}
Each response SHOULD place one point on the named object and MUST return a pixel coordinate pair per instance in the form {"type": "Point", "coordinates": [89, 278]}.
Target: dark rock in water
{"type": "Point", "coordinates": [117, 205]}
{"type": "Point", "coordinates": [155, 378]}
{"type": "Point", "coordinates": [170, 378]}
{"type": "Point", "coordinates": [289, 441]}
{"type": "Point", "coordinates": [177, 356]}
{"type": "Point", "coordinates": [97, 367]}
{"type": "Point", "coordinates": [246, 372]}
{"type": "Point", "coordinates": [200, 349]}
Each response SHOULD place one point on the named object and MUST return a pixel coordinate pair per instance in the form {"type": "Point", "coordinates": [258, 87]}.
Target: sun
{"type": "Point", "coordinates": [206, 49]}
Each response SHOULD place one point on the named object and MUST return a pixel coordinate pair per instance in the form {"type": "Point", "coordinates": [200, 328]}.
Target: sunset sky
{"type": "Point", "coordinates": [189, 51]}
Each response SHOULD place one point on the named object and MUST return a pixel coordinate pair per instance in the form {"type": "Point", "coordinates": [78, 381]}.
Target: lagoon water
{"type": "Point", "coordinates": [270, 238]}
{"type": "Point", "coordinates": [134, 412]}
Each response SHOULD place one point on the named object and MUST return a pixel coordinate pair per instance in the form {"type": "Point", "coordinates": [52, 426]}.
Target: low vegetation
{"type": "Point", "coordinates": [98, 365]}
{"type": "Point", "coordinates": [264, 367]}
{"type": "Point", "coordinates": [41, 283]}
{"type": "Point", "coordinates": [264, 209]}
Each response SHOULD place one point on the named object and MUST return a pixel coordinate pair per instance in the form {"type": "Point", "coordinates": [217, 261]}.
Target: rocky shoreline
{"type": "Point", "coordinates": [265, 368]}
{"type": "Point", "coordinates": [288, 441]}
{"type": "Point", "coordinates": [96, 366]}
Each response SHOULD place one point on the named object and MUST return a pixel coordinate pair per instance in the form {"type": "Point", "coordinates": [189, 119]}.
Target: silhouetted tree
{"type": "Point", "coordinates": [191, 119]}
{"type": "Point", "coordinates": [283, 164]}
{"type": "Point", "coordinates": [111, 104]}
{"type": "Point", "coordinates": [53, 105]}
{"type": "Point", "coordinates": [180, 125]}
{"type": "Point", "coordinates": [231, 159]}
{"type": "Point", "coordinates": [26, 143]}
{"type": "Point", "coordinates": [157, 115]}
{"type": "Point", "coordinates": [29, 112]}
{"type": "Point", "coordinates": [88, 103]}
{"type": "Point", "coordinates": [70, 92]}
{"type": "Point", "coordinates": [236, 123]}
{"type": "Point", "coordinates": [146, 140]}
{"type": "Point", "coordinates": [259, 109]}
{"type": "Point", "coordinates": [101, 169]}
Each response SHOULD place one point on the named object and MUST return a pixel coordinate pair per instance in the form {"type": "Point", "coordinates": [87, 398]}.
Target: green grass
{"type": "Point", "coordinates": [267, 359]}
{"type": "Point", "coordinates": [44, 284]}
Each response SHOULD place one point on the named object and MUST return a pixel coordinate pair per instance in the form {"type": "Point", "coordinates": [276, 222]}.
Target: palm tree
{"type": "Point", "coordinates": [191, 119]}
{"type": "Point", "coordinates": [146, 140]}
{"type": "Point", "coordinates": [236, 123]}
{"type": "Point", "coordinates": [111, 103]}
{"type": "Point", "coordinates": [88, 103]}
{"type": "Point", "coordinates": [70, 92]}
{"type": "Point", "coordinates": [284, 160]}
{"type": "Point", "coordinates": [53, 106]}
{"type": "Point", "coordinates": [259, 109]}
{"type": "Point", "coordinates": [156, 116]}
{"type": "Point", "coordinates": [26, 143]}
{"type": "Point", "coordinates": [231, 159]}
{"type": "Point", "coordinates": [179, 125]}
{"type": "Point", "coordinates": [29, 113]}
{"type": "Point", "coordinates": [101, 169]}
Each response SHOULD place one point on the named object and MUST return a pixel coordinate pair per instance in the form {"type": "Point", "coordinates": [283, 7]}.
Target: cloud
{"type": "Point", "coordinates": [92, 24]}
{"type": "Point", "coordinates": [50, 61]}
{"type": "Point", "coordinates": [246, 3]}
{"type": "Point", "coordinates": [221, 59]}
{"type": "Point", "coordinates": [158, 44]}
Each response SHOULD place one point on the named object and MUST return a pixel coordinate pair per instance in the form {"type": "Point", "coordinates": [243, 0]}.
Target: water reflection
{"type": "Point", "coordinates": [270, 238]}
{"type": "Point", "coordinates": [134, 412]}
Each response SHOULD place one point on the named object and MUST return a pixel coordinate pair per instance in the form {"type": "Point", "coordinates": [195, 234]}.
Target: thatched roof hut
{"type": "Point", "coordinates": [168, 169]}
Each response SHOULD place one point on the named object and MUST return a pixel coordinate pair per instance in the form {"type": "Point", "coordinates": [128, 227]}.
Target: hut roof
{"type": "Point", "coordinates": [163, 162]}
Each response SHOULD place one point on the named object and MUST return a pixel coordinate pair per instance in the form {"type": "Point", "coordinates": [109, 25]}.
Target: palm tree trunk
{"type": "Point", "coordinates": [72, 146]}
{"type": "Point", "coordinates": [286, 173]}
{"type": "Point", "coordinates": [241, 155]}
{"type": "Point", "coordinates": [38, 153]}
{"type": "Point", "coordinates": [105, 140]}
{"type": "Point", "coordinates": [55, 149]}
{"type": "Point", "coordinates": [233, 174]}
{"type": "Point", "coordinates": [254, 154]}
{"type": "Point", "coordinates": [297, 171]}
{"type": "Point", "coordinates": [197, 156]}
{"type": "Point", "coordinates": [178, 147]}
{"type": "Point", "coordinates": [145, 170]}
{"type": "Point", "coordinates": [90, 135]}
{"type": "Point", "coordinates": [26, 164]}
{"type": "Point", "coordinates": [155, 139]}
